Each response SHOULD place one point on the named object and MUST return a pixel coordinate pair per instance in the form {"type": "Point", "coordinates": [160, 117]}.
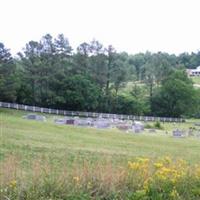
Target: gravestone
{"type": "Point", "coordinates": [178, 133]}
{"type": "Point", "coordinates": [139, 124]}
{"type": "Point", "coordinates": [70, 121]}
{"type": "Point", "coordinates": [123, 127]}
{"type": "Point", "coordinates": [60, 121]}
{"type": "Point", "coordinates": [137, 127]}
{"type": "Point", "coordinates": [115, 122]}
{"type": "Point", "coordinates": [35, 117]}
{"type": "Point", "coordinates": [81, 122]}
{"type": "Point", "coordinates": [89, 121]}
{"type": "Point", "coordinates": [152, 131]}
{"type": "Point", "coordinates": [100, 123]}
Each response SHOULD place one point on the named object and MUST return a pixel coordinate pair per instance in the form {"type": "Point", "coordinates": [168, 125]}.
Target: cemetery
{"type": "Point", "coordinates": [101, 123]}
{"type": "Point", "coordinates": [86, 145]}
{"type": "Point", "coordinates": [123, 125]}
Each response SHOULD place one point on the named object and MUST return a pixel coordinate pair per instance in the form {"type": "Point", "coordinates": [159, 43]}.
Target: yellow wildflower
{"type": "Point", "coordinates": [134, 165]}
{"type": "Point", "coordinates": [143, 160]}
{"type": "Point", "coordinates": [13, 183]}
{"type": "Point", "coordinates": [174, 194]}
{"type": "Point", "coordinates": [76, 178]}
{"type": "Point", "coordinates": [167, 160]}
{"type": "Point", "coordinates": [166, 170]}
{"type": "Point", "coordinates": [158, 165]}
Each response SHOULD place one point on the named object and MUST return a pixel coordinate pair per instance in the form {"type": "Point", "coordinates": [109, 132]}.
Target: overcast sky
{"type": "Point", "coordinates": [134, 26]}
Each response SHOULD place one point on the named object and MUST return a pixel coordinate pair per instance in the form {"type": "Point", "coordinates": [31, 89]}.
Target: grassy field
{"type": "Point", "coordinates": [54, 147]}
{"type": "Point", "coordinates": [196, 80]}
{"type": "Point", "coordinates": [130, 85]}
{"type": "Point", "coordinates": [31, 138]}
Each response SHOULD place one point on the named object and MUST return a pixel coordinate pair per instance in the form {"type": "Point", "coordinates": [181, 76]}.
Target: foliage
{"type": "Point", "coordinates": [41, 160]}
{"type": "Point", "coordinates": [157, 125]}
{"type": "Point", "coordinates": [129, 104]}
{"type": "Point", "coordinates": [8, 76]}
{"type": "Point", "coordinates": [175, 97]}
{"type": "Point", "coordinates": [148, 126]}
{"type": "Point", "coordinates": [44, 72]}
{"type": "Point", "coordinates": [80, 94]}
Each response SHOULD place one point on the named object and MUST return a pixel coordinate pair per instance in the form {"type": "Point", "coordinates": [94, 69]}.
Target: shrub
{"type": "Point", "coordinates": [158, 125]}
{"type": "Point", "coordinates": [148, 126]}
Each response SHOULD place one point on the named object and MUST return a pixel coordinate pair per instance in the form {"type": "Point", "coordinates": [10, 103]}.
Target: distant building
{"type": "Point", "coordinates": [194, 72]}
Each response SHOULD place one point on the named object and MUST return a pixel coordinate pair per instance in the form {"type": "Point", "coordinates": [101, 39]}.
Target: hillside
{"type": "Point", "coordinates": [27, 138]}
{"type": "Point", "coordinates": [43, 160]}
{"type": "Point", "coordinates": [196, 81]}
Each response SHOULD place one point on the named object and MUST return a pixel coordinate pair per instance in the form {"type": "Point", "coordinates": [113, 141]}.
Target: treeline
{"type": "Point", "coordinates": [50, 73]}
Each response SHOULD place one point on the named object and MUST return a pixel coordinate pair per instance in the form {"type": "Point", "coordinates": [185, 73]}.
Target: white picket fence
{"type": "Point", "coordinates": [87, 114]}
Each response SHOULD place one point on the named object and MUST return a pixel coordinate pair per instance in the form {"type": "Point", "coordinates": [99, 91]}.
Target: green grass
{"type": "Point", "coordinates": [196, 80]}
{"type": "Point", "coordinates": [128, 87]}
{"type": "Point", "coordinates": [42, 160]}
{"type": "Point", "coordinates": [30, 139]}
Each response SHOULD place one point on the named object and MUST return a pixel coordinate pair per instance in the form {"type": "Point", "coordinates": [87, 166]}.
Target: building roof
{"type": "Point", "coordinates": [196, 70]}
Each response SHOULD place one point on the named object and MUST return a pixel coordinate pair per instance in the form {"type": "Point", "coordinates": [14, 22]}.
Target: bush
{"type": "Point", "coordinates": [158, 125]}
{"type": "Point", "coordinates": [148, 126]}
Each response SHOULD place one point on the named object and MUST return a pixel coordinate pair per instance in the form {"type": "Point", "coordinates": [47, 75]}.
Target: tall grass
{"type": "Point", "coordinates": [43, 161]}
{"type": "Point", "coordinates": [139, 179]}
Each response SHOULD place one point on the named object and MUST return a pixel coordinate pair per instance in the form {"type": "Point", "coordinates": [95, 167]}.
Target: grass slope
{"type": "Point", "coordinates": [30, 139]}
{"type": "Point", "coordinates": [196, 80]}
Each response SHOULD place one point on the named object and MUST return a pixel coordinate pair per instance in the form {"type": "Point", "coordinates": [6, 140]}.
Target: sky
{"type": "Point", "coordinates": [133, 26]}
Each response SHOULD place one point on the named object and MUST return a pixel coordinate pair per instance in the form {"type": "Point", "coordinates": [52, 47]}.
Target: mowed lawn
{"type": "Point", "coordinates": [31, 139]}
